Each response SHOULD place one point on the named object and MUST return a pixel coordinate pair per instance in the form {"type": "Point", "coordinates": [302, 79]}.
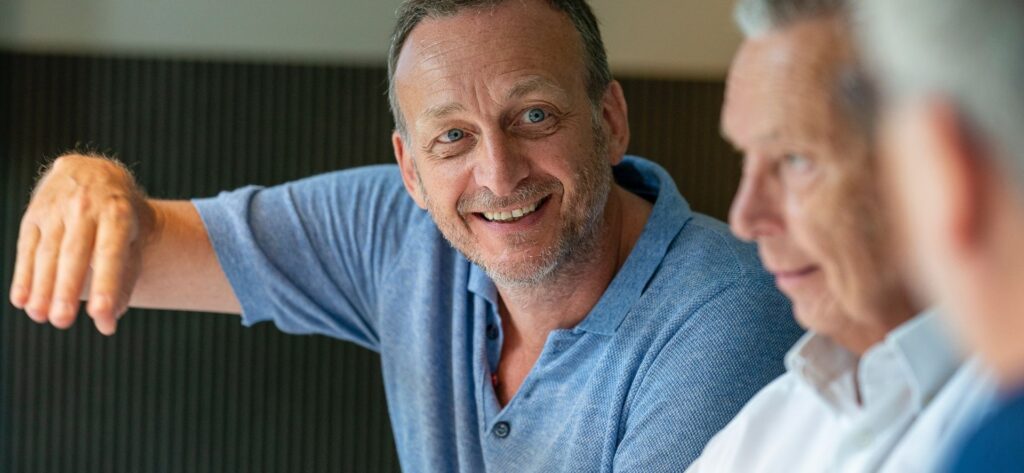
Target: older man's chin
{"type": "Point", "coordinates": [818, 313]}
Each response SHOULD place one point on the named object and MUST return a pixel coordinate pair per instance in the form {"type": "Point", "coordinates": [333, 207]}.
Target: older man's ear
{"type": "Point", "coordinates": [615, 114]}
{"type": "Point", "coordinates": [965, 176]}
{"type": "Point", "coordinates": [408, 169]}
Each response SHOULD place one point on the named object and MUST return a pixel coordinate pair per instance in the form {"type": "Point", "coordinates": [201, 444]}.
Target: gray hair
{"type": "Point", "coordinates": [969, 51]}
{"type": "Point", "coordinates": [758, 17]}
{"type": "Point", "coordinates": [853, 90]}
{"type": "Point", "coordinates": [412, 12]}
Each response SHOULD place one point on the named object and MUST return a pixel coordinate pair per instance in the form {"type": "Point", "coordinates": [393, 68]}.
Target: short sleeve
{"type": "Point", "coordinates": [311, 255]}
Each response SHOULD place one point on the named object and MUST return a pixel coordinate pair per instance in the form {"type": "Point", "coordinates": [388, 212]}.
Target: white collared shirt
{"type": "Point", "coordinates": [814, 418]}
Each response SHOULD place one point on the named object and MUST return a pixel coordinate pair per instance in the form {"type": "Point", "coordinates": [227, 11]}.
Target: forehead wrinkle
{"type": "Point", "coordinates": [437, 112]}
{"type": "Point", "coordinates": [533, 84]}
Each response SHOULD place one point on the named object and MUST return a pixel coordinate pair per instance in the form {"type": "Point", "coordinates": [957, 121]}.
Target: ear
{"type": "Point", "coordinates": [407, 168]}
{"type": "Point", "coordinates": [964, 170]}
{"type": "Point", "coordinates": [615, 113]}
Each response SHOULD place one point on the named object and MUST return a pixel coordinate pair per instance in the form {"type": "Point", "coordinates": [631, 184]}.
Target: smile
{"type": "Point", "coordinates": [512, 215]}
{"type": "Point", "coordinates": [792, 279]}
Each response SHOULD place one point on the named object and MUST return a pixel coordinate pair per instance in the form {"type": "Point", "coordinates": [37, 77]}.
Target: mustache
{"type": "Point", "coordinates": [525, 193]}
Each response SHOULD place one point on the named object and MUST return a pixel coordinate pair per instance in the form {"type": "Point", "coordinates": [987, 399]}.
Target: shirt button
{"type": "Point", "coordinates": [502, 429]}
{"type": "Point", "coordinates": [492, 331]}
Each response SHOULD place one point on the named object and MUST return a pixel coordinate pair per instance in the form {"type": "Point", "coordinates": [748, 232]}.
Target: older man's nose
{"type": "Point", "coordinates": [755, 211]}
{"type": "Point", "coordinates": [502, 167]}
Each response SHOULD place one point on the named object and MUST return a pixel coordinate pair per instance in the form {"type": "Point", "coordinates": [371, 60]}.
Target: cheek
{"type": "Point", "coordinates": [802, 223]}
{"type": "Point", "coordinates": [831, 227]}
{"type": "Point", "coordinates": [443, 186]}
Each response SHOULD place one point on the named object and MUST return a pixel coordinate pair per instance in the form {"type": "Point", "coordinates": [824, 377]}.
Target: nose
{"type": "Point", "coordinates": [502, 167]}
{"type": "Point", "coordinates": [755, 211]}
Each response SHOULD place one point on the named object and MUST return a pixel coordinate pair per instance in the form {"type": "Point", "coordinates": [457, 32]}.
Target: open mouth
{"type": "Point", "coordinates": [514, 215]}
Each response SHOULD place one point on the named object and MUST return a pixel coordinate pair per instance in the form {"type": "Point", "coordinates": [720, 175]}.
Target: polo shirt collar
{"type": "Point", "coordinates": [670, 213]}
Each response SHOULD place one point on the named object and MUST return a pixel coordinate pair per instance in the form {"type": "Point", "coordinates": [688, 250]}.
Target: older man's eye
{"type": "Point", "coordinates": [797, 162]}
{"type": "Point", "coordinates": [535, 115]}
{"type": "Point", "coordinates": [452, 135]}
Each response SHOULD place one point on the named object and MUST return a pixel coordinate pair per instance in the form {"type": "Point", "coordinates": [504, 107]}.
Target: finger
{"type": "Point", "coordinates": [72, 267]}
{"type": "Point", "coordinates": [131, 277]}
{"type": "Point", "coordinates": [44, 273]}
{"type": "Point", "coordinates": [111, 271]}
{"type": "Point", "coordinates": [21, 283]}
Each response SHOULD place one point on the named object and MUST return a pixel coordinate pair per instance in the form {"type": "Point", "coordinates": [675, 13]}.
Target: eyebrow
{"type": "Point", "coordinates": [441, 111]}
{"type": "Point", "coordinates": [519, 90]}
{"type": "Point", "coordinates": [533, 84]}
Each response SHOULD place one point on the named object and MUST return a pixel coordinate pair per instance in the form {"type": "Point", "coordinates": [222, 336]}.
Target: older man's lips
{"type": "Point", "coordinates": [792, 279]}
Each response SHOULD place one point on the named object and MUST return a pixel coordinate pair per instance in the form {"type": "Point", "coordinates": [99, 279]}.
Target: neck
{"type": "Point", "coordinates": [565, 299]}
{"type": "Point", "coordinates": [860, 335]}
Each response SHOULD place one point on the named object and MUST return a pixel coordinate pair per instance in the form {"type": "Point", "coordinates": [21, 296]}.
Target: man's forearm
{"type": "Point", "coordinates": [179, 269]}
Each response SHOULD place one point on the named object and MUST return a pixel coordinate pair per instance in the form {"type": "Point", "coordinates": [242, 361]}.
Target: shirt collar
{"type": "Point", "coordinates": [918, 356]}
{"type": "Point", "coordinates": [669, 215]}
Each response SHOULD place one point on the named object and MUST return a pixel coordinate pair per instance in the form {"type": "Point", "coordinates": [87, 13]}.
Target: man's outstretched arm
{"type": "Point", "coordinates": [89, 232]}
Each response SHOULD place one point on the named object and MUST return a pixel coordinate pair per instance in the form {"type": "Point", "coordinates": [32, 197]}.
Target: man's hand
{"type": "Point", "coordinates": [86, 212]}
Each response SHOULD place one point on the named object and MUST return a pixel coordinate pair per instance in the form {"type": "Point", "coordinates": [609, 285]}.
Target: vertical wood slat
{"type": "Point", "coordinates": [177, 392]}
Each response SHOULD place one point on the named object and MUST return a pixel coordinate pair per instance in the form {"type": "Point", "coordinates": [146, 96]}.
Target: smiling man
{"type": "Point", "coordinates": [556, 307]}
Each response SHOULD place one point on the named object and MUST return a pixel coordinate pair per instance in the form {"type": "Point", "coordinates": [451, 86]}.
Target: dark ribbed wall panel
{"type": "Point", "coordinates": [177, 392]}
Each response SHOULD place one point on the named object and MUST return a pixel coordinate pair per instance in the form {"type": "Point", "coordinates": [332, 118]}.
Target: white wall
{"type": "Point", "coordinates": [669, 38]}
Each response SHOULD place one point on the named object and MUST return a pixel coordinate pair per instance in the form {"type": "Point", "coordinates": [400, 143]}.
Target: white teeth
{"type": "Point", "coordinates": [507, 216]}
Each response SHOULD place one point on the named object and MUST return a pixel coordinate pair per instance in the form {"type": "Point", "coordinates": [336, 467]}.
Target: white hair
{"type": "Point", "coordinates": [758, 17]}
{"type": "Point", "coordinates": [970, 52]}
{"type": "Point", "coordinates": [853, 90]}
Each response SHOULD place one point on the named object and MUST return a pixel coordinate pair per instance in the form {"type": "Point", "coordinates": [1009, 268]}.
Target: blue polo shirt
{"type": "Point", "coordinates": [688, 330]}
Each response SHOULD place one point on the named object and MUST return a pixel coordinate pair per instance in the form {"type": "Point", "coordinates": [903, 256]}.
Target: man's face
{"type": "Point", "coordinates": [807, 196]}
{"type": "Point", "coordinates": [502, 144]}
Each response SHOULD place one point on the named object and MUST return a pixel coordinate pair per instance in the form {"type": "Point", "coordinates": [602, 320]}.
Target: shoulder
{"type": "Point", "coordinates": [367, 181]}
{"type": "Point", "coordinates": [708, 272]}
{"type": "Point", "coordinates": [998, 444]}
{"type": "Point", "coordinates": [711, 298]}
{"type": "Point", "coordinates": [362, 192]}
{"type": "Point", "coordinates": [706, 243]}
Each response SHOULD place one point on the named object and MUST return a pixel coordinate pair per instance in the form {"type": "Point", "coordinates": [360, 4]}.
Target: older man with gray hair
{"type": "Point", "coordinates": [953, 71]}
{"type": "Point", "coordinates": [876, 384]}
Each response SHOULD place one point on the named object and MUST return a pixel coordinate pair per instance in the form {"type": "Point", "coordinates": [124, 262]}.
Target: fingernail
{"type": "Point", "coordinates": [35, 315]}
{"type": "Point", "coordinates": [18, 296]}
{"type": "Point", "coordinates": [106, 327]}
{"type": "Point", "coordinates": [38, 311]}
{"type": "Point", "coordinates": [61, 312]}
{"type": "Point", "coordinates": [101, 305]}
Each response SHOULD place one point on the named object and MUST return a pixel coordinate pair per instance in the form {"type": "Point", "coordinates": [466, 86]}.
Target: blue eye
{"type": "Point", "coordinates": [535, 115]}
{"type": "Point", "coordinates": [453, 135]}
{"type": "Point", "coordinates": [797, 162]}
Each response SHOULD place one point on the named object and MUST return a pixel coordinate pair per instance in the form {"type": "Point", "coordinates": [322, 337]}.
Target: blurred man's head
{"type": "Point", "coordinates": [507, 125]}
{"type": "Point", "coordinates": [953, 70]}
{"type": "Point", "coordinates": [799, 109]}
